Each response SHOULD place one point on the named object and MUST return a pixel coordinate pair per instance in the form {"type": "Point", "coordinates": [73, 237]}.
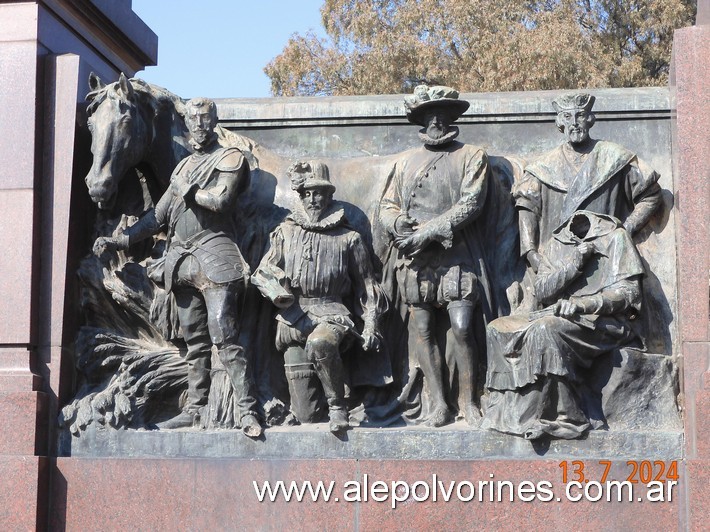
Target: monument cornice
{"type": "Point", "coordinates": [111, 28]}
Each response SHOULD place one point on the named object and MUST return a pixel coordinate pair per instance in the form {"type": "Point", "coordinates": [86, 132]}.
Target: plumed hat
{"type": "Point", "coordinates": [309, 174]}
{"type": "Point", "coordinates": [426, 98]}
{"type": "Point", "coordinates": [579, 100]}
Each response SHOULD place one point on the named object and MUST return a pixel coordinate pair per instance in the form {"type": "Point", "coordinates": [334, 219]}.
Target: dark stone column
{"type": "Point", "coordinates": [47, 49]}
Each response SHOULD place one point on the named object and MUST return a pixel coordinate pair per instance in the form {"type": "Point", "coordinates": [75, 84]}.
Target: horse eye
{"type": "Point", "coordinates": [126, 119]}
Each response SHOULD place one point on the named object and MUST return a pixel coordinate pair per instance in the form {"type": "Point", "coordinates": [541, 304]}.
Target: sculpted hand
{"type": "Point", "coordinates": [284, 300]}
{"type": "Point", "coordinates": [586, 249]}
{"type": "Point", "coordinates": [534, 259]}
{"type": "Point", "coordinates": [405, 225]}
{"type": "Point", "coordinates": [413, 244]}
{"type": "Point", "coordinates": [566, 308]}
{"type": "Point", "coordinates": [104, 244]}
{"type": "Point", "coordinates": [187, 191]}
{"type": "Point", "coordinates": [370, 340]}
{"type": "Point", "coordinates": [183, 188]}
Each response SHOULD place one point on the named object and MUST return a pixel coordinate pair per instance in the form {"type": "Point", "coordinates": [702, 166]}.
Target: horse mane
{"type": "Point", "coordinates": [160, 99]}
{"type": "Point", "coordinates": [157, 97]}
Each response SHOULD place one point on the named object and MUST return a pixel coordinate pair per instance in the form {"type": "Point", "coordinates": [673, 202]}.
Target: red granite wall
{"type": "Point", "coordinates": [184, 494]}
{"type": "Point", "coordinates": [690, 85]}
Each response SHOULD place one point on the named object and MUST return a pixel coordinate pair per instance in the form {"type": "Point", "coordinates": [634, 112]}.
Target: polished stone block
{"type": "Point", "coordinates": [190, 494]}
{"type": "Point", "coordinates": [16, 265]}
{"type": "Point", "coordinates": [24, 494]}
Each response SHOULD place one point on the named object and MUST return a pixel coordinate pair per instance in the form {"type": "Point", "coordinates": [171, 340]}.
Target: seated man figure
{"type": "Point", "coordinates": [317, 264]}
{"type": "Point", "coordinates": [589, 285]}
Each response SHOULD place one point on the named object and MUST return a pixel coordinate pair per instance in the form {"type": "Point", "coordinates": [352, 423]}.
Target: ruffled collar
{"type": "Point", "coordinates": [426, 139]}
{"type": "Point", "coordinates": [334, 217]}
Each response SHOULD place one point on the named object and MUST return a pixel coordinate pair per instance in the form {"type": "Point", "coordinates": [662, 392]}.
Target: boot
{"type": "Point", "coordinates": [338, 420]}
{"type": "Point", "coordinates": [236, 363]}
{"type": "Point", "coordinates": [440, 417]}
{"type": "Point", "coordinates": [181, 421]}
{"type": "Point", "coordinates": [330, 372]}
{"type": "Point", "coordinates": [472, 415]}
{"type": "Point", "coordinates": [304, 387]}
{"type": "Point", "coordinates": [251, 426]}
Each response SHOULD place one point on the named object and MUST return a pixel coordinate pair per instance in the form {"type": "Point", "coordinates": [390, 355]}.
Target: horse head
{"type": "Point", "coordinates": [121, 132]}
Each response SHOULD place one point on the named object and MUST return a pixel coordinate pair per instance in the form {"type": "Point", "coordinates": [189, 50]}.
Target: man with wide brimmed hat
{"type": "Point", "coordinates": [433, 196]}
{"type": "Point", "coordinates": [419, 107]}
{"type": "Point", "coordinates": [582, 173]}
{"type": "Point", "coordinates": [316, 264]}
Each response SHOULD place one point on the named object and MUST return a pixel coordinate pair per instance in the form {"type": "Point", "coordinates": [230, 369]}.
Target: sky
{"type": "Point", "coordinates": [219, 48]}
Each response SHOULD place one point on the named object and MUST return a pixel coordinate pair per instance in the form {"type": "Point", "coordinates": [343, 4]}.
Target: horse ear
{"type": "Point", "coordinates": [181, 107]}
{"type": "Point", "coordinates": [95, 82]}
{"type": "Point", "coordinates": [125, 86]}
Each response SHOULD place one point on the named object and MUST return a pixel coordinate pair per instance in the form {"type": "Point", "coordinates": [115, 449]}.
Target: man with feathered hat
{"type": "Point", "coordinates": [433, 196]}
{"type": "Point", "coordinates": [316, 266]}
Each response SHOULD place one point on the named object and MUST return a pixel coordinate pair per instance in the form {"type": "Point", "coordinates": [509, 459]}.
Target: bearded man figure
{"type": "Point", "coordinates": [582, 174]}
{"type": "Point", "coordinates": [316, 266]}
{"type": "Point", "coordinates": [433, 196]}
{"type": "Point", "coordinates": [204, 271]}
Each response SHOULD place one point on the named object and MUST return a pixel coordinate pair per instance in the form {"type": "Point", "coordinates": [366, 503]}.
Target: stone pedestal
{"type": "Point", "coordinates": [162, 494]}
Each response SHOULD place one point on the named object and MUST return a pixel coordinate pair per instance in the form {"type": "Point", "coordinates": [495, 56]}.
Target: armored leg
{"type": "Point", "coordinates": [221, 302]}
{"type": "Point", "coordinates": [192, 313]}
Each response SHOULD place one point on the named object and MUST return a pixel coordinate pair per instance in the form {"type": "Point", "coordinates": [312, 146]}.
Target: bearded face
{"type": "Point", "coordinates": [437, 124]}
{"type": "Point", "coordinates": [315, 201]}
{"type": "Point", "coordinates": [201, 122]}
{"type": "Point", "coordinates": [575, 124]}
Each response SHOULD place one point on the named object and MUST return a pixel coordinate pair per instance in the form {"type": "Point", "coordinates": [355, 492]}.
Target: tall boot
{"type": "Point", "coordinates": [198, 385]}
{"type": "Point", "coordinates": [303, 386]}
{"type": "Point", "coordinates": [235, 363]}
{"type": "Point", "coordinates": [329, 367]}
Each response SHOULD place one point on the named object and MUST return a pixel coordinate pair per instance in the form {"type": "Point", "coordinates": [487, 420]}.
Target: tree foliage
{"type": "Point", "coordinates": [390, 46]}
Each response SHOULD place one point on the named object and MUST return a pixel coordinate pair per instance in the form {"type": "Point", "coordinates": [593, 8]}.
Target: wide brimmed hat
{"type": "Point", "coordinates": [578, 100]}
{"type": "Point", "coordinates": [309, 174]}
{"type": "Point", "coordinates": [426, 98]}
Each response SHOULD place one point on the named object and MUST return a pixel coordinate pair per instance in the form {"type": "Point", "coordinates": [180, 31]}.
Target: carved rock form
{"type": "Point", "coordinates": [638, 391]}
